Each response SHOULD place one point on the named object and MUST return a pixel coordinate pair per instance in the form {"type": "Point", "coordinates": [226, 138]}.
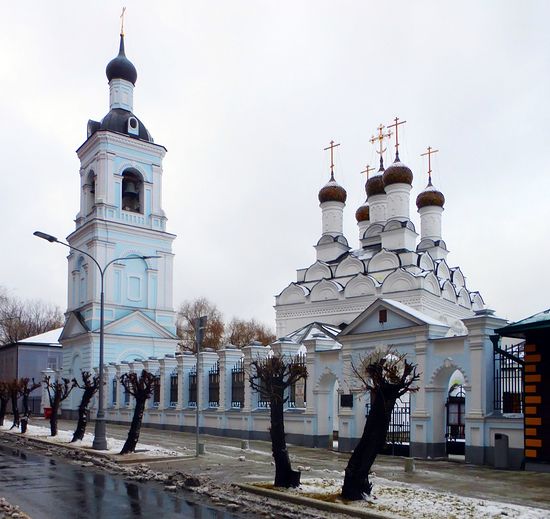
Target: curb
{"type": "Point", "coordinates": [315, 503]}
{"type": "Point", "coordinates": [97, 454]}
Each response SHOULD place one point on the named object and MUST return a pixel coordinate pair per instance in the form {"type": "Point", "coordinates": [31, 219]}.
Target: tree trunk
{"type": "Point", "coordinates": [15, 410]}
{"type": "Point", "coordinates": [284, 475]}
{"type": "Point", "coordinates": [53, 417]}
{"type": "Point", "coordinates": [133, 433]}
{"type": "Point", "coordinates": [356, 479]}
{"type": "Point", "coordinates": [24, 422]}
{"type": "Point", "coordinates": [82, 416]}
{"type": "Point", "coordinates": [3, 406]}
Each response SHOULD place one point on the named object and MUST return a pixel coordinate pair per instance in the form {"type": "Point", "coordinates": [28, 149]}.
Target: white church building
{"type": "Point", "coordinates": [397, 288]}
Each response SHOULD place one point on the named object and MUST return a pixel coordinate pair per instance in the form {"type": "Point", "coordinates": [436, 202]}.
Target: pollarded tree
{"type": "Point", "coordinates": [4, 399]}
{"type": "Point", "coordinates": [26, 387]}
{"type": "Point", "coordinates": [58, 390]}
{"type": "Point", "coordinates": [13, 387]}
{"type": "Point", "coordinates": [90, 385]}
{"type": "Point", "coordinates": [387, 375]}
{"type": "Point", "coordinates": [141, 388]}
{"type": "Point", "coordinates": [271, 377]}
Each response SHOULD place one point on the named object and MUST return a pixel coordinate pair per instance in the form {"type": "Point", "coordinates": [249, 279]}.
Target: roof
{"type": "Point", "coordinates": [538, 321]}
{"type": "Point", "coordinates": [51, 337]}
{"type": "Point", "coordinates": [313, 330]}
{"type": "Point", "coordinates": [413, 312]}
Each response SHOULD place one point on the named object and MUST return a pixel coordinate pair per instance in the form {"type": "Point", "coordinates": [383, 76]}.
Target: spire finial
{"type": "Point", "coordinates": [367, 170]}
{"type": "Point", "coordinates": [396, 125]}
{"type": "Point", "coordinates": [122, 21]}
{"type": "Point", "coordinates": [430, 152]}
{"type": "Point", "coordinates": [331, 148]}
{"type": "Point", "coordinates": [380, 138]}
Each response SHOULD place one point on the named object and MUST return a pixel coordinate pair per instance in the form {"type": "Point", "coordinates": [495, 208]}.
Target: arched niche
{"type": "Point", "coordinates": [89, 191]}
{"type": "Point", "coordinates": [442, 270]}
{"type": "Point", "coordinates": [457, 277]}
{"type": "Point", "coordinates": [400, 281]}
{"type": "Point", "coordinates": [293, 294]}
{"type": "Point", "coordinates": [325, 290]}
{"type": "Point", "coordinates": [373, 229]}
{"type": "Point", "coordinates": [448, 292]}
{"type": "Point", "coordinates": [132, 196]}
{"type": "Point", "coordinates": [431, 284]}
{"type": "Point", "coordinates": [360, 285]}
{"type": "Point", "coordinates": [425, 261]}
{"type": "Point", "coordinates": [319, 270]}
{"type": "Point", "coordinates": [383, 260]}
{"type": "Point", "coordinates": [477, 301]}
{"type": "Point", "coordinates": [464, 298]}
{"type": "Point", "coordinates": [349, 267]}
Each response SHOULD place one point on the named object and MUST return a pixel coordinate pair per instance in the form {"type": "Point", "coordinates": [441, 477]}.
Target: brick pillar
{"type": "Point", "coordinates": [252, 352]}
{"type": "Point", "coordinates": [167, 365]}
{"type": "Point", "coordinates": [533, 401]}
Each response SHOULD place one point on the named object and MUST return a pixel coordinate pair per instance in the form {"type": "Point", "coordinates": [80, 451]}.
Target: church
{"type": "Point", "coordinates": [397, 288]}
{"type": "Point", "coordinates": [120, 221]}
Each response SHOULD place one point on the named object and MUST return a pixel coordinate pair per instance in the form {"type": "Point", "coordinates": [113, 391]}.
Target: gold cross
{"type": "Point", "coordinates": [430, 152]}
{"type": "Point", "coordinates": [122, 21]}
{"type": "Point", "coordinates": [331, 148]}
{"type": "Point", "coordinates": [380, 138]}
{"type": "Point", "coordinates": [396, 125]}
{"type": "Point", "coordinates": [367, 170]}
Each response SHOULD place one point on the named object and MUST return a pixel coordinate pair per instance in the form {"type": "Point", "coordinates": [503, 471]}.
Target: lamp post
{"type": "Point", "coordinates": [100, 438]}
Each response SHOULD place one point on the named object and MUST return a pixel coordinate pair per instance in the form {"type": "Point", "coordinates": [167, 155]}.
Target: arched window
{"type": "Point", "coordinates": [82, 282]}
{"type": "Point", "coordinates": [89, 188]}
{"type": "Point", "coordinates": [132, 191]}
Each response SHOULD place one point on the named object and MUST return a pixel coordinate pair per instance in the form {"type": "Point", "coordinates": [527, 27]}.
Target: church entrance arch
{"type": "Point", "coordinates": [456, 407]}
{"type": "Point", "coordinates": [448, 390]}
{"type": "Point", "coordinates": [326, 394]}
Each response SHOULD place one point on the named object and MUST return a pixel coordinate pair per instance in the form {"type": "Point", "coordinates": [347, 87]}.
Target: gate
{"type": "Point", "coordinates": [455, 438]}
{"type": "Point", "coordinates": [399, 431]}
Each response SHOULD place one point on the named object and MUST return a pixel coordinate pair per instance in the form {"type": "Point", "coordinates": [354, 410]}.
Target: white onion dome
{"type": "Point", "coordinates": [363, 213]}
{"type": "Point", "coordinates": [398, 173]}
{"type": "Point", "coordinates": [430, 196]}
{"type": "Point", "coordinates": [332, 192]}
{"type": "Point", "coordinates": [121, 67]}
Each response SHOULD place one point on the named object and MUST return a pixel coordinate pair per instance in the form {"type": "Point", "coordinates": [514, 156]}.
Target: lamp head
{"type": "Point", "coordinates": [45, 236]}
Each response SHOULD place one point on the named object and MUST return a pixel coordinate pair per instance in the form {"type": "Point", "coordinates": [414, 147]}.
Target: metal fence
{"type": "Point", "coordinates": [237, 385]}
{"type": "Point", "coordinates": [399, 431]}
{"type": "Point", "coordinates": [508, 378]}
{"type": "Point", "coordinates": [214, 385]}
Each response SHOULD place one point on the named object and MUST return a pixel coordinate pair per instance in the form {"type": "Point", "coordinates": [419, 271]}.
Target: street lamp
{"type": "Point", "coordinates": [100, 438]}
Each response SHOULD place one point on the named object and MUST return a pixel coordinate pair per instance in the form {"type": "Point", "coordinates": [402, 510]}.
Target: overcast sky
{"type": "Point", "coordinates": [246, 94]}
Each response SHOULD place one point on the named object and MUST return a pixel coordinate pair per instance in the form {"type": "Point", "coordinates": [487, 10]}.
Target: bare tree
{"type": "Point", "coordinates": [58, 390]}
{"type": "Point", "coordinates": [188, 313]}
{"type": "Point", "coordinates": [141, 388]}
{"type": "Point", "coordinates": [13, 387]}
{"type": "Point", "coordinates": [387, 375]}
{"type": "Point", "coordinates": [90, 385]}
{"type": "Point", "coordinates": [240, 332]}
{"type": "Point", "coordinates": [21, 319]}
{"type": "Point", "coordinates": [25, 389]}
{"type": "Point", "coordinates": [271, 377]}
{"type": "Point", "coordinates": [5, 396]}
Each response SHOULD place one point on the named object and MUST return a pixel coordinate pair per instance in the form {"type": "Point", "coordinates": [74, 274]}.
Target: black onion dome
{"type": "Point", "coordinates": [430, 196]}
{"type": "Point", "coordinates": [375, 186]}
{"type": "Point", "coordinates": [117, 120]}
{"type": "Point", "coordinates": [363, 213]}
{"type": "Point", "coordinates": [332, 192]}
{"type": "Point", "coordinates": [121, 67]}
{"type": "Point", "coordinates": [398, 173]}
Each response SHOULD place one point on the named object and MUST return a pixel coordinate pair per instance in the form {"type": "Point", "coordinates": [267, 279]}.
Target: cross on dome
{"type": "Point", "coordinates": [396, 124]}
{"type": "Point", "coordinates": [331, 148]}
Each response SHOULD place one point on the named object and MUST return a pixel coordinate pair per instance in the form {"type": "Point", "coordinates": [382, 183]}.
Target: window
{"type": "Point", "coordinates": [383, 316]}
{"type": "Point", "coordinates": [132, 192]}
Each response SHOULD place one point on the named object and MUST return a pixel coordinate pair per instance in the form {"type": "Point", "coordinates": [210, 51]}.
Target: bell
{"type": "Point", "coordinates": [130, 189]}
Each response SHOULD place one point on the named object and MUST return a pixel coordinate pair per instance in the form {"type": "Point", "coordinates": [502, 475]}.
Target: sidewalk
{"type": "Point", "coordinates": [225, 461]}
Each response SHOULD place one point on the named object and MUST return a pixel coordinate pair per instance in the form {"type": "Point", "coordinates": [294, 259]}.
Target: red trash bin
{"type": "Point", "coordinates": [47, 412]}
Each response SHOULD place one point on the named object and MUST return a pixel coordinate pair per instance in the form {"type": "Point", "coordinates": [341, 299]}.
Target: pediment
{"type": "Point", "coordinates": [292, 294]}
{"type": "Point", "coordinates": [74, 326]}
{"type": "Point", "coordinates": [137, 324]}
{"type": "Point", "coordinates": [385, 315]}
{"type": "Point", "coordinates": [325, 290]}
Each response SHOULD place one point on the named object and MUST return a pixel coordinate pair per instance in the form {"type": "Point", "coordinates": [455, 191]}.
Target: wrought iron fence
{"type": "Point", "coordinates": [301, 360]}
{"type": "Point", "coordinates": [214, 385]}
{"type": "Point", "coordinates": [192, 402]}
{"type": "Point", "coordinates": [508, 378]}
{"type": "Point", "coordinates": [237, 385]}
{"type": "Point", "coordinates": [173, 389]}
{"type": "Point", "coordinates": [399, 431]}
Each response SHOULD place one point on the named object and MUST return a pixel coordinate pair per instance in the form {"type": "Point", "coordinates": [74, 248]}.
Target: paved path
{"type": "Point", "coordinates": [223, 461]}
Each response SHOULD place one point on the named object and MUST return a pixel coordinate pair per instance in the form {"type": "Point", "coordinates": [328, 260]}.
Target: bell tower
{"type": "Point", "coordinates": [120, 217]}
